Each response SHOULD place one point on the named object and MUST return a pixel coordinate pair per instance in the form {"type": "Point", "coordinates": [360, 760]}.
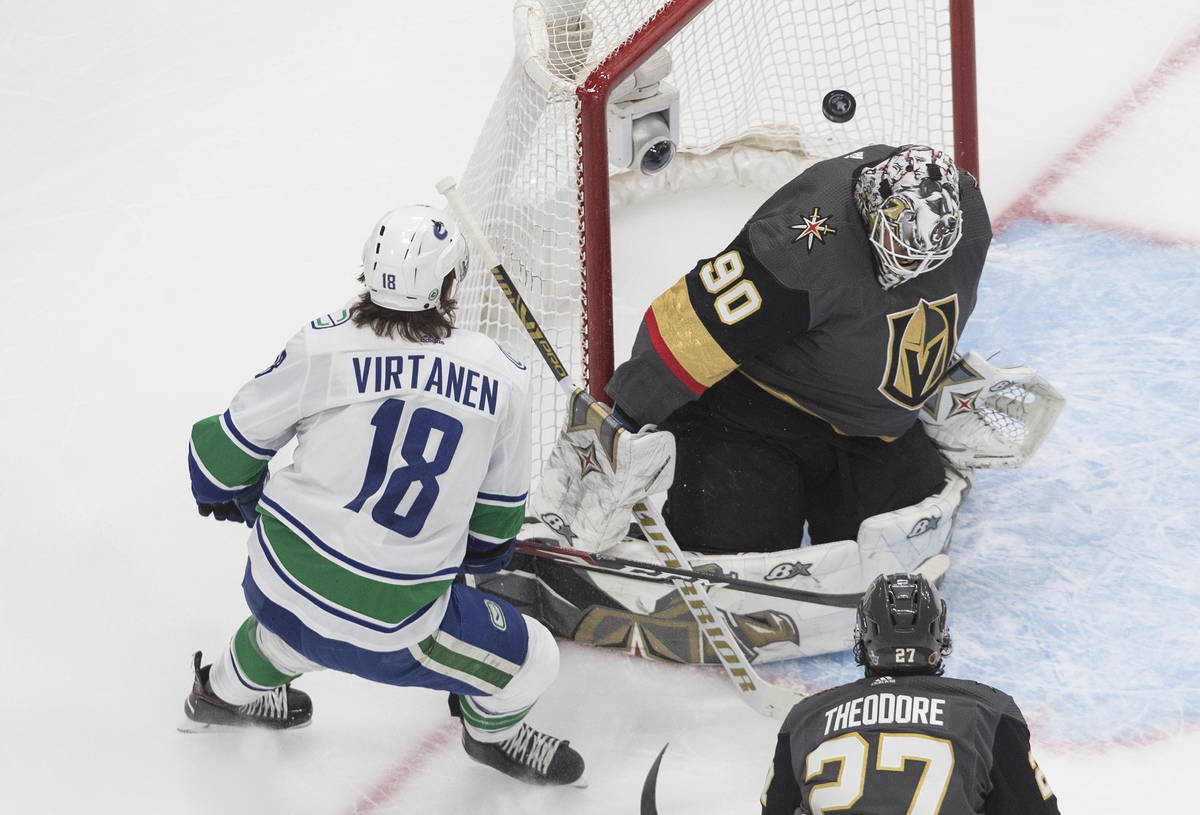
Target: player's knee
{"type": "Point", "coordinates": [536, 673]}
{"type": "Point", "coordinates": [282, 656]}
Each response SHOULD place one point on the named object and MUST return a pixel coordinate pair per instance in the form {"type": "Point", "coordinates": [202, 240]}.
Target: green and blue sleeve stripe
{"type": "Point", "coordinates": [495, 520]}
{"type": "Point", "coordinates": [222, 460]}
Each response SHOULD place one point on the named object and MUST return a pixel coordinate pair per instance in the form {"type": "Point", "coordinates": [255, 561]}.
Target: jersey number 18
{"type": "Point", "coordinates": [417, 468]}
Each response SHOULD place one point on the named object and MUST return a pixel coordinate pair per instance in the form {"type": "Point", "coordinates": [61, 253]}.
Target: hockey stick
{"type": "Point", "coordinates": [638, 570]}
{"type": "Point", "coordinates": [650, 785]}
{"type": "Point", "coordinates": [766, 698]}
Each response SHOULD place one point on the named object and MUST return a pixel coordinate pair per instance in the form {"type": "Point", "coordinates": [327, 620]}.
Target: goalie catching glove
{"type": "Point", "coordinates": [597, 471]}
{"type": "Point", "coordinates": [984, 417]}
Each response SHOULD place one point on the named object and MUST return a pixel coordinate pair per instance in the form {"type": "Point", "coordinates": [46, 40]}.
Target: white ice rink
{"type": "Point", "coordinates": [182, 185]}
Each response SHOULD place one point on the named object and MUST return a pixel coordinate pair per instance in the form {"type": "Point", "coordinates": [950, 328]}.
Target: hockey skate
{"type": "Point", "coordinates": [530, 756]}
{"type": "Point", "coordinates": [282, 708]}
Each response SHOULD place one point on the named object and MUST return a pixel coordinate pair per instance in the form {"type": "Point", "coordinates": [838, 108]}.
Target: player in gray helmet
{"type": "Point", "coordinates": [904, 738]}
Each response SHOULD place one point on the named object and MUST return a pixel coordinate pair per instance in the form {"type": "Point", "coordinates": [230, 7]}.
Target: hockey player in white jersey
{"type": "Point", "coordinates": [411, 466]}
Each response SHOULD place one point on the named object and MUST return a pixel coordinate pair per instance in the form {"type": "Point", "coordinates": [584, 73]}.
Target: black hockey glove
{"type": "Point", "coordinates": [221, 512]}
{"type": "Point", "coordinates": [239, 510]}
{"type": "Point", "coordinates": [490, 561]}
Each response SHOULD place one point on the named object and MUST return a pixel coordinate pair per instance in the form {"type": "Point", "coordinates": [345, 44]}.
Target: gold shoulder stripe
{"type": "Point", "coordinates": [691, 344]}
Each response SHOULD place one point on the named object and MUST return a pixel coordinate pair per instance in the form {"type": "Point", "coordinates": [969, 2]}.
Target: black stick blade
{"type": "Point", "coordinates": [649, 787]}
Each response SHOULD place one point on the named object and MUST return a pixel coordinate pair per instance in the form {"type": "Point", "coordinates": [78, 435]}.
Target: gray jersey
{"type": "Point", "coordinates": [793, 304]}
{"type": "Point", "coordinates": [907, 744]}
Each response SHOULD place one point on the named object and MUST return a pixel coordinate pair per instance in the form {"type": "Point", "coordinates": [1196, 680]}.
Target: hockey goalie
{"type": "Point", "coordinates": [799, 399]}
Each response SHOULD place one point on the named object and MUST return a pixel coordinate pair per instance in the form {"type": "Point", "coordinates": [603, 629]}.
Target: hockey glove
{"type": "Point", "coordinates": [240, 508]}
{"type": "Point", "coordinates": [490, 561]}
{"type": "Point", "coordinates": [221, 512]}
{"type": "Point", "coordinates": [596, 473]}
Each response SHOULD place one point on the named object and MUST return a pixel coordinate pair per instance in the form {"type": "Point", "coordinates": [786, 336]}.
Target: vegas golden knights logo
{"type": "Point", "coordinates": [921, 343]}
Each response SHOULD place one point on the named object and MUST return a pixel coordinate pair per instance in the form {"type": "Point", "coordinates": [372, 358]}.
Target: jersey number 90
{"type": "Point", "coordinates": [736, 297]}
{"type": "Point", "coordinates": [417, 470]}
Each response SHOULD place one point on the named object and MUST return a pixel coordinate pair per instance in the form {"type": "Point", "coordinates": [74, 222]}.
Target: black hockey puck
{"type": "Point", "coordinates": [838, 106]}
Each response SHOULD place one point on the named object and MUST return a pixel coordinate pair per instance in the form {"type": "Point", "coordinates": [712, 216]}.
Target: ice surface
{"type": "Point", "coordinates": [184, 185]}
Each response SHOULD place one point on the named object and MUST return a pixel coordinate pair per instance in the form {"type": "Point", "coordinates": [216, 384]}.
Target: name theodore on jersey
{"type": "Point", "coordinates": [427, 373]}
{"type": "Point", "coordinates": [884, 708]}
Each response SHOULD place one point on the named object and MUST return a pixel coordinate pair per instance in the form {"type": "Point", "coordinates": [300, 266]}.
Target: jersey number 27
{"type": "Point", "coordinates": [417, 470]}
{"type": "Point", "coordinates": [895, 750]}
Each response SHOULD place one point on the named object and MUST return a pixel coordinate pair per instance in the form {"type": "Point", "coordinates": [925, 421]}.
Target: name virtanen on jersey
{"type": "Point", "coordinates": [457, 382]}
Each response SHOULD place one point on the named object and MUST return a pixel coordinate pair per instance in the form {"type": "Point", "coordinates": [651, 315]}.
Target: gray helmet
{"type": "Point", "coordinates": [901, 626]}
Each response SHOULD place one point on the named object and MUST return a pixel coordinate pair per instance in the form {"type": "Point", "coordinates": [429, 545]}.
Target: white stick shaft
{"type": "Point", "coordinates": [476, 239]}
{"type": "Point", "coordinates": [767, 699]}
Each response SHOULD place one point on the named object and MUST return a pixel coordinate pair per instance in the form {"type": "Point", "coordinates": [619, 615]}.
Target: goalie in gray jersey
{"type": "Point", "coordinates": [791, 367]}
{"type": "Point", "coordinates": [805, 379]}
{"type": "Point", "coordinates": [904, 738]}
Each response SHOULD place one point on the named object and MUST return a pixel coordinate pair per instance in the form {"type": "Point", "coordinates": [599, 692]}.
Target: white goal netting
{"type": "Point", "coordinates": [751, 76]}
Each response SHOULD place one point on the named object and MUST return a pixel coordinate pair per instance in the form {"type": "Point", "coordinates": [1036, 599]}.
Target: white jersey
{"type": "Point", "coordinates": [407, 453]}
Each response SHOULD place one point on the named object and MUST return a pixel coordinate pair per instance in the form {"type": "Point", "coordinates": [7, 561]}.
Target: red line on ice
{"type": "Point", "coordinates": [434, 742]}
{"type": "Point", "coordinates": [1125, 229]}
{"type": "Point", "coordinates": [1068, 162]}
{"type": "Point", "coordinates": [1060, 169]}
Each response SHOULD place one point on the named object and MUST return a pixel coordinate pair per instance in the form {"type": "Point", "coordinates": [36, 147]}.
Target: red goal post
{"type": "Point", "coordinates": [750, 76]}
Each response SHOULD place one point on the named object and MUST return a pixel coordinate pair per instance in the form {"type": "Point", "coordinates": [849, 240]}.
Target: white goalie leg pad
{"type": "Point", "coordinates": [775, 628]}
{"type": "Point", "coordinates": [915, 538]}
{"type": "Point", "coordinates": [983, 416]}
{"type": "Point", "coordinates": [911, 539]}
{"type": "Point", "coordinates": [596, 473]}
{"type": "Point", "coordinates": [503, 712]}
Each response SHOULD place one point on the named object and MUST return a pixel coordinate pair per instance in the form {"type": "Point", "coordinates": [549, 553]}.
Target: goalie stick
{"type": "Point", "coordinates": [768, 699]}
{"type": "Point", "coordinates": [654, 573]}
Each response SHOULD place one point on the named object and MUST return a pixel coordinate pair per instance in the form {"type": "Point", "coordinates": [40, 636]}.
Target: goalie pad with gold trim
{"type": "Point", "coordinates": [597, 471]}
{"type": "Point", "coordinates": [649, 618]}
{"type": "Point", "coordinates": [983, 416]}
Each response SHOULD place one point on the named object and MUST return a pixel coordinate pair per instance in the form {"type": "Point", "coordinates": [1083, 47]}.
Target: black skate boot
{"type": "Point", "coordinates": [281, 709]}
{"type": "Point", "coordinates": [529, 756]}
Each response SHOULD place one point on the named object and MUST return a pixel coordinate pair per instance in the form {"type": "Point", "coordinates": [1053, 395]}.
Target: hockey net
{"type": "Point", "coordinates": [751, 76]}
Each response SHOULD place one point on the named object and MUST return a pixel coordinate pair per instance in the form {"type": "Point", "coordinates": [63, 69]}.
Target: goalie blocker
{"type": "Point", "coordinates": [597, 471]}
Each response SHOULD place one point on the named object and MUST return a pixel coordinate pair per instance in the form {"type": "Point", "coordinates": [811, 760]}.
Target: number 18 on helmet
{"type": "Point", "coordinates": [408, 255]}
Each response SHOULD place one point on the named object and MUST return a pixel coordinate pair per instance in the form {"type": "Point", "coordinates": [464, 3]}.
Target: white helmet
{"type": "Point", "coordinates": [911, 207]}
{"type": "Point", "coordinates": [407, 256]}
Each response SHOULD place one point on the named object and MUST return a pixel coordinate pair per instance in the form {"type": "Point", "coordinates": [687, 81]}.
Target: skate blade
{"type": "Point", "coordinates": [189, 726]}
{"type": "Point", "coordinates": [581, 782]}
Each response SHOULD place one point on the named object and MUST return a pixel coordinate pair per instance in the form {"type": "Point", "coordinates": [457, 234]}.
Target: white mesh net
{"type": "Point", "coordinates": [751, 73]}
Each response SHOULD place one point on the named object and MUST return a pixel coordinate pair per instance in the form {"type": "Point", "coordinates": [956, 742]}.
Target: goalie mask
{"type": "Point", "coordinates": [409, 254]}
{"type": "Point", "coordinates": [910, 205]}
{"type": "Point", "coordinates": [901, 627]}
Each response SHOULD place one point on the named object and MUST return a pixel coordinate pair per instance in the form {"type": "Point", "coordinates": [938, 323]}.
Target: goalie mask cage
{"type": "Point", "coordinates": [751, 76]}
